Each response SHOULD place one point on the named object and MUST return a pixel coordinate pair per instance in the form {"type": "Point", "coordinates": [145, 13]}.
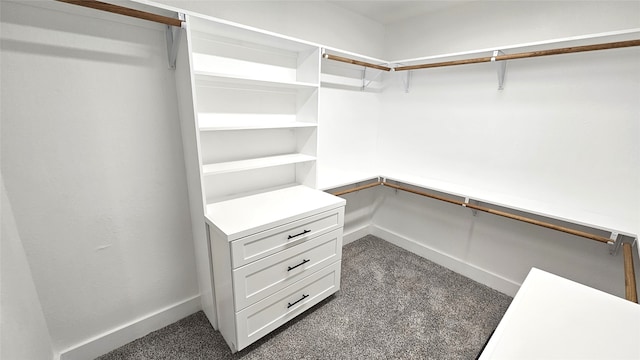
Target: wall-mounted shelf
{"type": "Point", "coordinates": [217, 78]}
{"type": "Point", "coordinates": [231, 122]}
{"type": "Point", "coordinates": [250, 164]}
{"type": "Point", "coordinates": [617, 233]}
{"type": "Point", "coordinates": [500, 54]}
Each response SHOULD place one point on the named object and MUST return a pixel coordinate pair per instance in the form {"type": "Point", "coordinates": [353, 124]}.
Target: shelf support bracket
{"type": "Point", "coordinates": [173, 38]}
{"type": "Point", "coordinates": [364, 78]}
{"type": "Point", "coordinates": [616, 242]}
{"type": "Point", "coordinates": [501, 66]}
{"type": "Point", "coordinates": [406, 81]}
{"type": "Point", "coordinates": [365, 83]}
{"type": "Point", "coordinates": [467, 201]}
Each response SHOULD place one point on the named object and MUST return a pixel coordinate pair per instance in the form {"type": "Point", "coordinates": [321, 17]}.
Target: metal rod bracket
{"type": "Point", "coordinates": [406, 81]}
{"type": "Point", "coordinates": [616, 242]}
{"type": "Point", "coordinates": [173, 39]}
{"type": "Point", "coordinates": [467, 201]}
{"type": "Point", "coordinates": [501, 67]}
{"type": "Point", "coordinates": [365, 83]}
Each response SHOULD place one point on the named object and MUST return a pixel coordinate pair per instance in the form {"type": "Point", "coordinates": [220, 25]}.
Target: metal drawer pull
{"type": "Point", "coordinates": [304, 261]}
{"type": "Point", "coordinates": [303, 297]}
{"type": "Point", "coordinates": [302, 233]}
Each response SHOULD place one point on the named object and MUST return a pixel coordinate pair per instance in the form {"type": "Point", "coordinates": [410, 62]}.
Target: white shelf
{"type": "Point", "coordinates": [205, 76]}
{"type": "Point", "coordinates": [222, 122]}
{"type": "Point", "coordinates": [331, 178]}
{"type": "Point", "coordinates": [562, 212]}
{"type": "Point", "coordinates": [243, 33]}
{"type": "Point", "coordinates": [555, 318]}
{"type": "Point", "coordinates": [589, 39]}
{"type": "Point", "coordinates": [242, 165]}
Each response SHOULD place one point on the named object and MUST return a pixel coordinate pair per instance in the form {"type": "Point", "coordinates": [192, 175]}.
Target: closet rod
{"type": "Point", "coordinates": [125, 11]}
{"type": "Point", "coordinates": [629, 276]}
{"type": "Point", "coordinates": [355, 62]}
{"type": "Point", "coordinates": [358, 188]}
{"type": "Point", "coordinates": [566, 50]}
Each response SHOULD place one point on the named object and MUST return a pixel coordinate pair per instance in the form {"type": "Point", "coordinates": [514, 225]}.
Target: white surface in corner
{"type": "Point", "coordinates": [555, 318]}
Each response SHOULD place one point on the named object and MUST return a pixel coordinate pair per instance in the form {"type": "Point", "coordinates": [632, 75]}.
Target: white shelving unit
{"type": "Point", "coordinates": [257, 108]}
{"type": "Point", "coordinates": [249, 113]}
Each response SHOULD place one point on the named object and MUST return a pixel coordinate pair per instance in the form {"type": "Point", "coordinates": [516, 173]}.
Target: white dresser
{"type": "Point", "coordinates": [275, 254]}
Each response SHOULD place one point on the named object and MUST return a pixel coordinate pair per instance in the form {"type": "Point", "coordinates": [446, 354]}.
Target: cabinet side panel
{"type": "Point", "coordinates": [185, 91]}
{"type": "Point", "coordinates": [221, 255]}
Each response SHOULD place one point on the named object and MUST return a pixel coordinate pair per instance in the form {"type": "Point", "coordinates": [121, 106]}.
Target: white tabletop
{"type": "Point", "coordinates": [555, 318]}
{"type": "Point", "coordinates": [250, 214]}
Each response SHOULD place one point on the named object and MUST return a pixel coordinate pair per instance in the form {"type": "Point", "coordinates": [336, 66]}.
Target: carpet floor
{"type": "Point", "coordinates": [392, 304]}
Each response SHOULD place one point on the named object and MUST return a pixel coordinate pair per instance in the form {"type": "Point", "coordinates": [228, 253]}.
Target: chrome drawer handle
{"type": "Point", "coordinates": [297, 301]}
{"type": "Point", "coordinates": [304, 261]}
{"type": "Point", "coordinates": [302, 233]}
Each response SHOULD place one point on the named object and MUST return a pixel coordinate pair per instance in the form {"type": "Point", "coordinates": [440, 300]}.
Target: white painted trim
{"type": "Point", "coordinates": [115, 338]}
{"type": "Point", "coordinates": [353, 235]}
{"type": "Point", "coordinates": [459, 266]}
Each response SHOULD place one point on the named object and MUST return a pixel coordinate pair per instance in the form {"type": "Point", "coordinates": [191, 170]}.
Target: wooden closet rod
{"type": "Point", "coordinates": [629, 276]}
{"type": "Point", "coordinates": [358, 188]}
{"type": "Point", "coordinates": [355, 62]}
{"type": "Point", "coordinates": [566, 50]}
{"type": "Point", "coordinates": [125, 11]}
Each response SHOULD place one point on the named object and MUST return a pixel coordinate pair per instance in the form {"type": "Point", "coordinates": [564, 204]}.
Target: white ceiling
{"type": "Point", "coordinates": [387, 11]}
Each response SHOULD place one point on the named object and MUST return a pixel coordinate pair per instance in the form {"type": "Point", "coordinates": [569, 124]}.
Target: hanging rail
{"type": "Point", "coordinates": [358, 188]}
{"type": "Point", "coordinates": [629, 278]}
{"type": "Point", "coordinates": [355, 62]}
{"type": "Point", "coordinates": [125, 11]}
{"type": "Point", "coordinates": [530, 54]}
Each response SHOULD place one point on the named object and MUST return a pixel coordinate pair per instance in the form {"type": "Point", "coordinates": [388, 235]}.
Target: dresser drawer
{"type": "Point", "coordinates": [259, 279]}
{"type": "Point", "coordinates": [260, 245]}
{"type": "Point", "coordinates": [264, 316]}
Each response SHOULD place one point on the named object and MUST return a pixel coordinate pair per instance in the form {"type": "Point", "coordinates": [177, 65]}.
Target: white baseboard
{"type": "Point", "coordinates": [115, 338]}
{"type": "Point", "coordinates": [471, 271]}
{"type": "Point", "coordinates": [355, 234]}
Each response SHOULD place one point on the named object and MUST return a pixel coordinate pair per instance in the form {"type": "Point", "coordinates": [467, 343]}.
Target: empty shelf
{"type": "Point", "coordinates": [242, 165]}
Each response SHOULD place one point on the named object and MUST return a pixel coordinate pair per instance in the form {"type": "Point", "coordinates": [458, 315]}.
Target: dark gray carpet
{"type": "Point", "coordinates": [392, 304]}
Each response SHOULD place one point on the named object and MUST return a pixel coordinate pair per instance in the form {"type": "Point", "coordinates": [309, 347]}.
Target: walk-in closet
{"type": "Point", "coordinates": [320, 179]}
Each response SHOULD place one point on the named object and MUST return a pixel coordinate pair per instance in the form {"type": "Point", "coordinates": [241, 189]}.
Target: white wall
{"type": "Point", "coordinates": [93, 166]}
{"type": "Point", "coordinates": [316, 21]}
{"type": "Point", "coordinates": [23, 329]}
{"type": "Point", "coordinates": [564, 132]}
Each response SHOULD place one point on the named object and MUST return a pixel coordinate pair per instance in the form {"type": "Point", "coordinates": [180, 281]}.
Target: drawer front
{"type": "Point", "coordinates": [264, 316]}
{"type": "Point", "coordinates": [256, 281]}
{"type": "Point", "coordinates": [260, 245]}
